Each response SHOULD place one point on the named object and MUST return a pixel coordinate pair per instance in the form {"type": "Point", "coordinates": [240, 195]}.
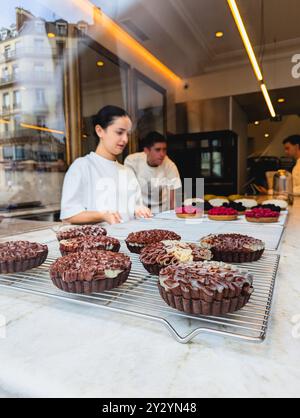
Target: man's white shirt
{"type": "Point", "coordinates": [296, 178]}
{"type": "Point", "coordinates": [155, 182]}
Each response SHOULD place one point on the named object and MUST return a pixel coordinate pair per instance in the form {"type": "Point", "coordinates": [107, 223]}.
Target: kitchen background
{"type": "Point", "coordinates": [178, 67]}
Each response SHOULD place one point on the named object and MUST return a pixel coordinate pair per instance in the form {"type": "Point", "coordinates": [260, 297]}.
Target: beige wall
{"type": "Point", "coordinates": [239, 79]}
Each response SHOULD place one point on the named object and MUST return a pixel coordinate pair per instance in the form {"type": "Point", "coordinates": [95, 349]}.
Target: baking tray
{"type": "Point", "coordinates": [139, 297]}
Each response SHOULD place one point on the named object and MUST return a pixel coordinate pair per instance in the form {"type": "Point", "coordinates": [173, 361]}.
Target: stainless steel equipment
{"type": "Point", "coordinates": [283, 186]}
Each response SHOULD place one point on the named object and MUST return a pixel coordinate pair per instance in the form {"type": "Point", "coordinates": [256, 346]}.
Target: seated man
{"type": "Point", "coordinates": [157, 174]}
{"type": "Point", "coordinates": [292, 150]}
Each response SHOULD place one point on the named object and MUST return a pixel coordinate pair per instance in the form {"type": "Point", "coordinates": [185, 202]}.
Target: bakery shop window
{"type": "Point", "coordinates": [103, 79]}
{"type": "Point", "coordinates": [33, 134]}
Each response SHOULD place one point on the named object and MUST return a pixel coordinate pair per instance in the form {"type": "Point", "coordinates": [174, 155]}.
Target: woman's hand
{"type": "Point", "coordinates": [143, 212]}
{"type": "Point", "coordinates": [112, 218]}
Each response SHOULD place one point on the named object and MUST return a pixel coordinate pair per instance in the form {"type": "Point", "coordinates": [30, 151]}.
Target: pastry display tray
{"type": "Point", "coordinates": [139, 297]}
{"type": "Point", "coordinates": [193, 230]}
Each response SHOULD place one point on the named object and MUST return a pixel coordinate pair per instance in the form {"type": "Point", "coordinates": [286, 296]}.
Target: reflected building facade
{"type": "Point", "coordinates": [33, 107]}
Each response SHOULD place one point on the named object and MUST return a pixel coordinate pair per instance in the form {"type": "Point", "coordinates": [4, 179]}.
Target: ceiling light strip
{"type": "Point", "coordinates": [241, 27]}
{"type": "Point", "coordinates": [268, 100]}
{"type": "Point", "coordinates": [250, 51]}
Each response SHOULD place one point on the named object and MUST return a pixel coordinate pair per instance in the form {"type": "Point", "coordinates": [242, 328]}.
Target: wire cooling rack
{"type": "Point", "coordinates": [139, 297]}
{"type": "Point", "coordinates": [193, 230]}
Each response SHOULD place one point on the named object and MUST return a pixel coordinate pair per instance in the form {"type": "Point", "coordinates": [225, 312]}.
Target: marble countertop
{"type": "Point", "coordinates": [53, 348]}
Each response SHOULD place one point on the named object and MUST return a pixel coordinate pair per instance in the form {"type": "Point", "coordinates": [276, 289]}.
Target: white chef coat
{"type": "Point", "coordinates": [296, 178]}
{"type": "Point", "coordinates": [155, 182]}
{"type": "Point", "coordinates": [94, 183]}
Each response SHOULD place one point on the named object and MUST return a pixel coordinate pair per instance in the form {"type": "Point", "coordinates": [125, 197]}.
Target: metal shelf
{"type": "Point", "coordinates": [139, 297]}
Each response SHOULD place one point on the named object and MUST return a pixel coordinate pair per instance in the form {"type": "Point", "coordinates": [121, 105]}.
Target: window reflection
{"type": "Point", "coordinates": [32, 120]}
{"type": "Point", "coordinates": [103, 80]}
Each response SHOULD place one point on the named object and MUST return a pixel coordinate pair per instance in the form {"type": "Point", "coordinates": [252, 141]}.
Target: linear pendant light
{"type": "Point", "coordinates": [250, 51]}
{"type": "Point", "coordinates": [268, 100]}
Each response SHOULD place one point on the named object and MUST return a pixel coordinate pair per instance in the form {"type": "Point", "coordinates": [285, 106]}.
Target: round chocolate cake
{"type": "Point", "coordinates": [234, 248]}
{"type": "Point", "coordinates": [80, 231]}
{"type": "Point", "coordinates": [80, 244]}
{"type": "Point", "coordinates": [17, 256]}
{"type": "Point", "coordinates": [136, 241]}
{"type": "Point", "coordinates": [157, 256]}
{"type": "Point", "coordinates": [90, 271]}
{"type": "Point", "coordinates": [205, 288]}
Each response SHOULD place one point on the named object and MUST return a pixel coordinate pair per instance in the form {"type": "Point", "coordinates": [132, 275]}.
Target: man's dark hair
{"type": "Point", "coordinates": [106, 116]}
{"type": "Point", "coordinates": [294, 140]}
{"type": "Point", "coordinates": [153, 138]}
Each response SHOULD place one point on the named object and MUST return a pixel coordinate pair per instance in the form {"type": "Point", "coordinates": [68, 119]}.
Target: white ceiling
{"type": "Point", "coordinates": [181, 33]}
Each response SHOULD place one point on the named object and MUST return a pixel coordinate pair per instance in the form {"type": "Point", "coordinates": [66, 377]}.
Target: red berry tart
{"type": "Point", "coordinates": [261, 215]}
{"type": "Point", "coordinates": [188, 212]}
{"type": "Point", "coordinates": [223, 214]}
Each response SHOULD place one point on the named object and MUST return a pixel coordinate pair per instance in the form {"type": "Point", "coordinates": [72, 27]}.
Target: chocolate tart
{"type": "Point", "coordinates": [68, 232]}
{"type": "Point", "coordinates": [157, 256]}
{"type": "Point", "coordinates": [18, 256]}
{"type": "Point", "coordinates": [80, 244]}
{"type": "Point", "coordinates": [136, 241]}
{"type": "Point", "coordinates": [234, 248]}
{"type": "Point", "coordinates": [90, 271]}
{"type": "Point", "coordinates": [205, 288]}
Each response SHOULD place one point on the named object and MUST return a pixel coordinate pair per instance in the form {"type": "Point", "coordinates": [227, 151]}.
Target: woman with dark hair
{"type": "Point", "coordinates": [96, 187]}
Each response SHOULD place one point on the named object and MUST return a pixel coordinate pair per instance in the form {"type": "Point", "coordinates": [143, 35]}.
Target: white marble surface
{"type": "Point", "coordinates": [53, 348]}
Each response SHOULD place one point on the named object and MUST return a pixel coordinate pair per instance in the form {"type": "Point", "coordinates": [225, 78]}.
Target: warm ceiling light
{"type": "Point", "coordinates": [105, 23]}
{"type": "Point", "coordinates": [244, 35]}
{"type": "Point", "coordinates": [281, 100]}
{"type": "Point", "coordinates": [241, 27]}
{"type": "Point", "coordinates": [256, 123]}
{"type": "Point", "coordinates": [267, 135]}
{"type": "Point", "coordinates": [51, 35]}
{"type": "Point", "coordinates": [100, 64]}
{"type": "Point", "coordinates": [219, 34]}
{"type": "Point", "coordinates": [268, 100]}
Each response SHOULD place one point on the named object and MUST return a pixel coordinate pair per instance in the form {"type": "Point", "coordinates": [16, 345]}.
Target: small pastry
{"type": "Point", "coordinates": [248, 203]}
{"type": "Point", "coordinates": [223, 214]}
{"type": "Point", "coordinates": [188, 212]}
{"type": "Point", "coordinates": [162, 254]}
{"type": "Point", "coordinates": [218, 202]}
{"type": "Point", "coordinates": [205, 288]}
{"type": "Point", "coordinates": [259, 215]}
{"type": "Point", "coordinates": [136, 241]}
{"type": "Point", "coordinates": [276, 202]}
{"type": "Point", "coordinates": [233, 248]}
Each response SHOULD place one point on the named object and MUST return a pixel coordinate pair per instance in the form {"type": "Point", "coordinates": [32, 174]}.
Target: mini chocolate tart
{"type": "Point", "coordinates": [205, 288]}
{"type": "Point", "coordinates": [70, 232]}
{"type": "Point", "coordinates": [80, 244]}
{"type": "Point", "coordinates": [157, 256]}
{"type": "Point", "coordinates": [136, 241]}
{"type": "Point", "coordinates": [18, 256]}
{"type": "Point", "coordinates": [234, 248]}
{"type": "Point", "coordinates": [90, 271]}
